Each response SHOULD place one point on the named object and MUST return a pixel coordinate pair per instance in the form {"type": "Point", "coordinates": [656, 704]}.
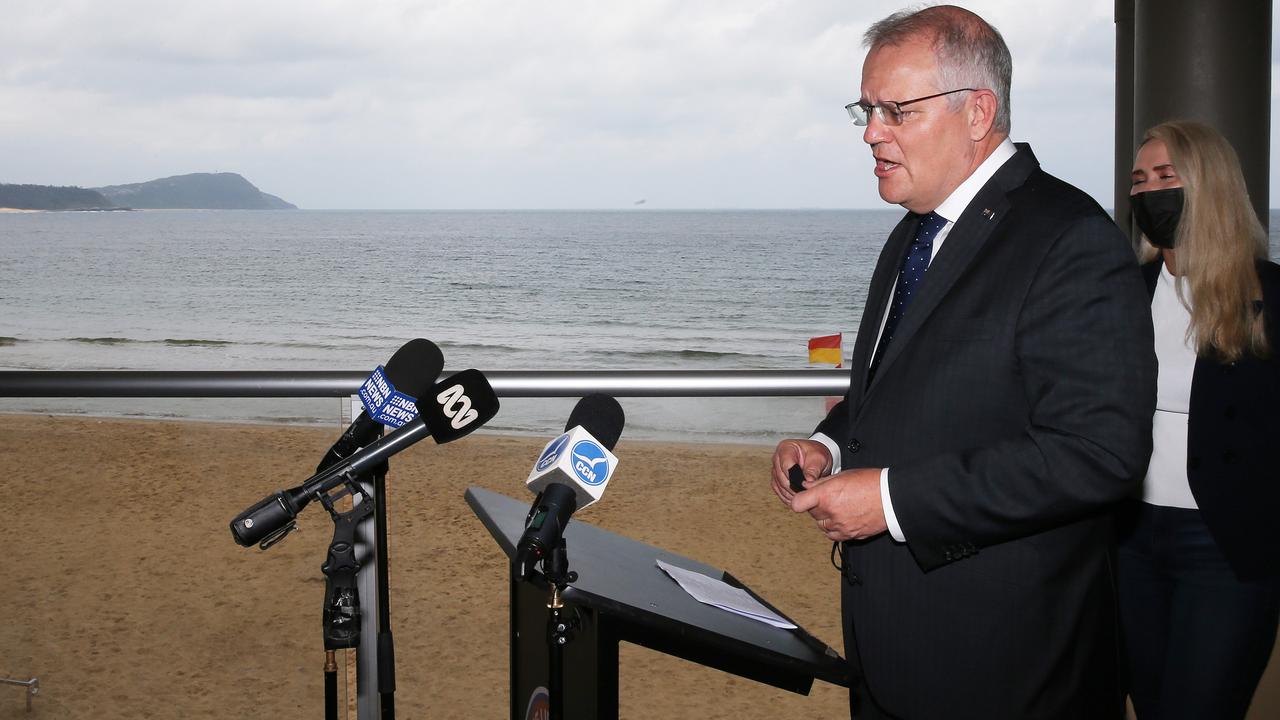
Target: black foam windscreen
{"type": "Point", "coordinates": [457, 405]}
{"type": "Point", "coordinates": [599, 415]}
{"type": "Point", "coordinates": [414, 367]}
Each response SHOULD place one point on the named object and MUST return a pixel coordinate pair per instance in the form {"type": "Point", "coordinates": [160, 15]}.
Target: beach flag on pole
{"type": "Point", "coordinates": [827, 350]}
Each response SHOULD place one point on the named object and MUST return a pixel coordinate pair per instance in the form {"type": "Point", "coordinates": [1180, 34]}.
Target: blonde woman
{"type": "Point", "coordinates": [1200, 555]}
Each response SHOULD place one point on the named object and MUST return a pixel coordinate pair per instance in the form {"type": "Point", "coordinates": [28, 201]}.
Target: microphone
{"type": "Point", "coordinates": [572, 472]}
{"type": "Point", "coordinates": [451, 409]}
{"type": "Point", "coordinates": [388, 397]}
{"type": "Point", "coordinates": [795, 475]}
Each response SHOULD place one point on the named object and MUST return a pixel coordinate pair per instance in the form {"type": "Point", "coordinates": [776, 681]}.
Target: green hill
{"type": "Point", "coordinates": [211, 191]}
{"type": "Point", "coordinates": [48, 197]}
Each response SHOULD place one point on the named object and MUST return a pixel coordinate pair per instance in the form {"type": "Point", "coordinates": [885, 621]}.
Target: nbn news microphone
{"type": "Point", "coordinates": [389, 396]}
{"type": "Point", "coordinates": [571, 473]}
{"type": "Point", "coordinates": [451, 409]}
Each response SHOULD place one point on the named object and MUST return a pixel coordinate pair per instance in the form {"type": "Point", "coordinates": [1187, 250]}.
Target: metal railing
{"type": "Point", "coordinates": [507, 383]}
{"type": "Point", "coordinates": [32, 687]}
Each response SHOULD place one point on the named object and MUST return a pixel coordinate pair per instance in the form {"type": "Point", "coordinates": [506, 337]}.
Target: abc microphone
{"type": "Point", "coordinates": [389, 397]}
{"type": "Point", "coordinates": [451, 409]}
{"type": "Point", "coordinates": [571, 473]}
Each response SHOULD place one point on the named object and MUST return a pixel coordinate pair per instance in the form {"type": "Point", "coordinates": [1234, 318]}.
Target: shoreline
{"type": "Point", "coordinates": [61, 210]}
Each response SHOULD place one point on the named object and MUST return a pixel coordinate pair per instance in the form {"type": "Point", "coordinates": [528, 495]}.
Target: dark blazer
{"type": "Point", "coordinates": [1013, 408]}
{"type": "Point", "coordinates": [1233, 429]}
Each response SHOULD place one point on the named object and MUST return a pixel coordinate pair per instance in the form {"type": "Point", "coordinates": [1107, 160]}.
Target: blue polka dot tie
{"type": "Point", "coordinates": [914, 266]}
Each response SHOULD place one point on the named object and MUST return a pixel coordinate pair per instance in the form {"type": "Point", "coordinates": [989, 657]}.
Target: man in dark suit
{"type": "Point", "coordinates": [1003, 383]}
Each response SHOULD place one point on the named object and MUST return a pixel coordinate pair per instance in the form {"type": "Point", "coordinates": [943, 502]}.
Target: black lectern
{"type": "Point", "coordinates": [620, 595]}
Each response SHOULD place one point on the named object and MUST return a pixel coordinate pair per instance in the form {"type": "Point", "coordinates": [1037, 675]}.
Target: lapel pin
{"type": "Point", "coordinates": [988, 213]}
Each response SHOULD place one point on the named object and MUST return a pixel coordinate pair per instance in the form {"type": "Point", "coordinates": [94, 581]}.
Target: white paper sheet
{"type": "Point", "coordinates": [718, 593]}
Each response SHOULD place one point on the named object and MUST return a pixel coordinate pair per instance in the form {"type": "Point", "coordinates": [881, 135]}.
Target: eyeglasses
{"type": "Point", "coordinates": [890, 112]}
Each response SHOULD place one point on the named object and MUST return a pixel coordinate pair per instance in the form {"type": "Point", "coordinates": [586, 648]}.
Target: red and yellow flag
{"type": "Point", "coordinates": [827, 349]}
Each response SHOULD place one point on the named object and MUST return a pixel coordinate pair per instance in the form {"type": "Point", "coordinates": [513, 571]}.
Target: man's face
{"type": "Point", "coordinates": [920, 162]}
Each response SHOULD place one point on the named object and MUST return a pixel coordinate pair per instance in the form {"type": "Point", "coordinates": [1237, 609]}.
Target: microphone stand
{"type": "Point", "coordinates": [341, 615]}
{"type": "Point", "coordinates": [330, 685]}
{"type": "Point", "coordinates": [560, 630]}
{"type": "Point", "coordinates": [386, 648]}
{"type": "Point", "coordinates": [342, 608]}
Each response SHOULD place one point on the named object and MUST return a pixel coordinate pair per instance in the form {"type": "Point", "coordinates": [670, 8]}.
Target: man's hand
{"type": "Point", "coordinates": [845, 506]}
{"type": "Point", "coordinates": [812, 457]}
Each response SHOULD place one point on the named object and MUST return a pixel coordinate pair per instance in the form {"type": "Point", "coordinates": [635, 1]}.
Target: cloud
{"type": "Point", "coordinates": [487, 103]}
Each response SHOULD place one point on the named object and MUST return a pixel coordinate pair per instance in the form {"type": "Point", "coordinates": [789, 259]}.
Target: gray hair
{"type": "Point", "coordinates": [968, 50]}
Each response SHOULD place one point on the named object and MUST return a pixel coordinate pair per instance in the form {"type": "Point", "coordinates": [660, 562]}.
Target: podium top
{"type": "Point", "coordinates": [619, 577]}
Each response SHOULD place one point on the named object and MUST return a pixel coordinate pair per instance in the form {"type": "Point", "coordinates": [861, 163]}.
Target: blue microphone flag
{"type": "Point", "coordinates": [384, 403]}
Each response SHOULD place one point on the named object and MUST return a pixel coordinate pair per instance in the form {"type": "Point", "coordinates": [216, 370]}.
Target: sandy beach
{"type": "Point", "coordinates": [126, 596]}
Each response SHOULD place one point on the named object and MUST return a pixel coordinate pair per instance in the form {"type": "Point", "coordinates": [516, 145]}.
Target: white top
{"type": "Point", "coordinates": [1166, 483]}
{"type": "Point", "coordinates": [950, 210]}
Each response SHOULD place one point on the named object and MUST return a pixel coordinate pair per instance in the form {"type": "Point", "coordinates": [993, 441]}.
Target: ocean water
{"type": "Point", "coordinates": [496, 290]}
{"type": "Point", "coordinates": [511, 290]}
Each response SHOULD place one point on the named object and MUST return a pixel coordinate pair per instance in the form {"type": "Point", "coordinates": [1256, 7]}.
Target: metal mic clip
{"type": "Point", "coordinates": [278, 535]}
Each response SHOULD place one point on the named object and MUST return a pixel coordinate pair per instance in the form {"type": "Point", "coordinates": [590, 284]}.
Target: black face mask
{"type": "Point", "coordinates": [1157, 213]}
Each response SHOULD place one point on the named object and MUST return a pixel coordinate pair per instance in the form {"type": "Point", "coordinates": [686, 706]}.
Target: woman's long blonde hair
{"type": "Point", "coordinates": [1217, 242]}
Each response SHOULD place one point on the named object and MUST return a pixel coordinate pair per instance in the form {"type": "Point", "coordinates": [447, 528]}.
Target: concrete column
{"type": "Point", "coordinates": [1206, 60]}
{"type": "Point", "coordinates": [1124, 115]}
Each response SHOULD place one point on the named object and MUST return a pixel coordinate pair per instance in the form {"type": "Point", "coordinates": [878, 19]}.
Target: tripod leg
{"type": "Point", "coordinates": [555, 669]}
{"type": "Point", "coordinates": [330, 686]}
{"type": "Point", "coordinates": [386, 648]}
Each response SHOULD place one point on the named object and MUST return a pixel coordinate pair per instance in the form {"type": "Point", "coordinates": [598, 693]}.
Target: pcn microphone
{"type": "Point", "coordinates": [451, 409]}
{"type": "Point", "coordinates": [388, 396]}
{"type": "Point", "coordinates": [571, 473]}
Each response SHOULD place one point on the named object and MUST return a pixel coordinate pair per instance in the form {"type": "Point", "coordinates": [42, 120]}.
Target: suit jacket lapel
{"type": "Point", "coordinates": [971, 231]}
{"type": "Point", "coordinates": [878, 297]}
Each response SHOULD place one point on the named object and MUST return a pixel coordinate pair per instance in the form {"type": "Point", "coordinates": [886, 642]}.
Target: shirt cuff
{"type": "Point", "coordinates": [831, 448]}
{"type": "Point", "coordinates": [890, 519]}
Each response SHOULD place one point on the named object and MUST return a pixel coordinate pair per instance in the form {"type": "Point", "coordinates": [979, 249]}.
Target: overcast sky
{"type": "Point", "coordinates": [508, 104]}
